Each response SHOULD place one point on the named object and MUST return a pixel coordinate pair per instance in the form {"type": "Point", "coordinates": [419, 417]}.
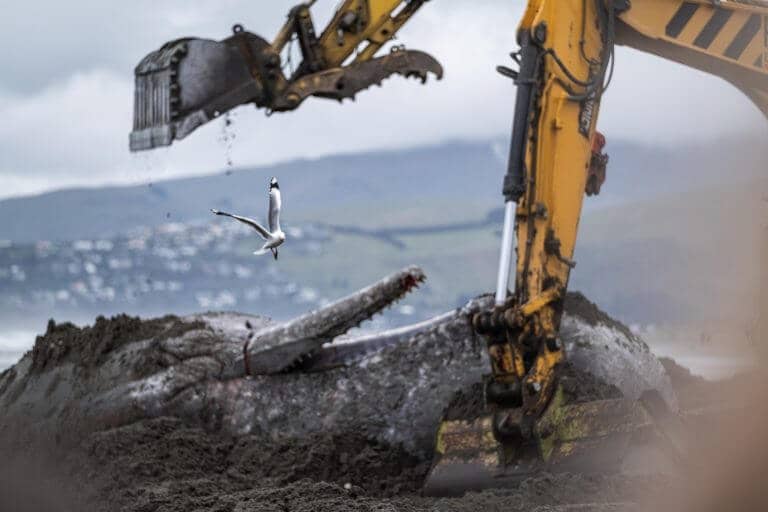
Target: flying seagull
{"type": "Point", "coordinates": [275, 236]}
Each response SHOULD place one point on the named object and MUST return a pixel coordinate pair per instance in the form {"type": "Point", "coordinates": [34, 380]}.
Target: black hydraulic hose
{"type": "Point", "coordinates": [530, 56]}
{"type": "Point", "coordinates": [600, 85]}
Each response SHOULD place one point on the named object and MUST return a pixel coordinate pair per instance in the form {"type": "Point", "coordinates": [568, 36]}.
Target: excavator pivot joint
{"type": "Point", "coordinates": [503, 394]}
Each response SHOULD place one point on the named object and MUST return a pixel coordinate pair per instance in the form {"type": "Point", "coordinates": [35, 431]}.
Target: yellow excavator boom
{"type": "Point", "coordinates": [727, 39]}
{"type": "Point", "coordinates": [565, 63]}
{"type": "Point", "coordinates": [571, 43]}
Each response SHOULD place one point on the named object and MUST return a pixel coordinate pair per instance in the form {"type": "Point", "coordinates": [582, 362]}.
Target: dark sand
{"type": "Point", "coordinates": [163, 465]}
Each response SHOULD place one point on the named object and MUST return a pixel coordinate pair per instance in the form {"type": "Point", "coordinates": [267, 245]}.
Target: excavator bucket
{"type": "Point", "coordinates": [188, 82]}
{"type": "Point", "coordinates": [606, 437]}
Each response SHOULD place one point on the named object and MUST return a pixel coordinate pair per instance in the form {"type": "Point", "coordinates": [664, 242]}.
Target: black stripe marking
{"type": "Point", "coordinates": [744, 37]}
{"type": "Point", "coordinates": [681, 18]}
{"type": "Point", "coordinates": [713, 27]}
{"type": "Point", "coordinates": [759, 62]}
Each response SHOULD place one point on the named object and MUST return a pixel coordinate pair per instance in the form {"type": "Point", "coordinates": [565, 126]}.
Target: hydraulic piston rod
{"type": "Point", "coordinates": [505, 257]}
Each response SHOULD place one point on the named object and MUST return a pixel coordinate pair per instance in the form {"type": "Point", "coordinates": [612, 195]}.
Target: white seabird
{"type": "Point", "coordinates": [274, 237]}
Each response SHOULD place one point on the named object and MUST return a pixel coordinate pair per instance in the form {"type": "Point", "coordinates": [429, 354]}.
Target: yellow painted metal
{"type": "Point", "coordinates": [727, 39]}
{"type": "Point", "coordinates": [543, 374]}
{"type": "Point", "coordinates": [531, 12]}
{"type": "Point", "coordinates": [653, 18]}
{"type": "Point", "coordinates": [383, 19]}
{"type": "Point", "coordinates": [506, 362]}
{"type": "Point", "coordinates": [558, 155]}
{"type": "Point", "coordinates": [538, 302]}
{"type": "Point", "coordinates": [724, 38]}
{"type": "Point", "coordinates": [559, 160]}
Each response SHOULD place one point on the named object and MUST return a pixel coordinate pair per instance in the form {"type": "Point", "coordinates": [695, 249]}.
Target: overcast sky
{"type": "Point", "coordinates": [66, 91]}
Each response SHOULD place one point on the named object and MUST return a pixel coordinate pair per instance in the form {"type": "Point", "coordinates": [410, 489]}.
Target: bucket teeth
{"type": "Point", "coordinates": [345, 82]}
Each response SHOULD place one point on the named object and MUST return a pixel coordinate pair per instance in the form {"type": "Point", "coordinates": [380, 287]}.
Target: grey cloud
{"type": "Point", "coordinates": [65, 118]}
{"type": "Point", "coordinates": [47, 41]}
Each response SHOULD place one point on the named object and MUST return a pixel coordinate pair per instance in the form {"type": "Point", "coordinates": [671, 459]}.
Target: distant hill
{"type": "Point", "coordinates": [673, 240]}
{"type": "Point", "coordinates": [688, 257]}
{"type": "Point", "coordinates": [361, 189]}
{"type": "Point", "coordinates": [447, 183]}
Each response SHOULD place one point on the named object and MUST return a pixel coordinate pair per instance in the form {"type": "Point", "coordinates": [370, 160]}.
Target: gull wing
{"type": "Point", "coordinates": [245, 220]}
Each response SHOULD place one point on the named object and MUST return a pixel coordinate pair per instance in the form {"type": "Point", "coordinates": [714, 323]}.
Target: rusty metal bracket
{"type": "Point", "coordinates": [341, 83]}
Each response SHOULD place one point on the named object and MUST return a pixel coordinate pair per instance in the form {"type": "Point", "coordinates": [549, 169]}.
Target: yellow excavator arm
{"type": "Point", "coordinates": [565, 61]}
{"type": "Point", "coordinates": [724, 38]}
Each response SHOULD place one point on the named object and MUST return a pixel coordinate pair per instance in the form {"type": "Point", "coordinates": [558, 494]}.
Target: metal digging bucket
{"type": "Point", "coordinates": [188, 82]}
{"type": "Point", "coordinates": [607, 436]}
